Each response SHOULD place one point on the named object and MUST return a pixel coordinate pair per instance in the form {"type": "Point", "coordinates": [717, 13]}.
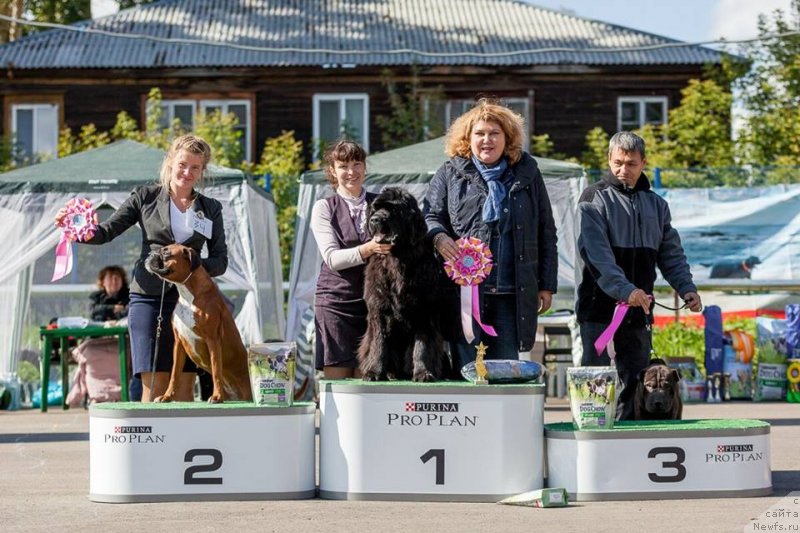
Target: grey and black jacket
{"type": "Point", "coordinates": [148, 206]}
{"type": "Point", "coordinates": [454, 203]}
{"type": "Point", "coordinates": [625, 234]}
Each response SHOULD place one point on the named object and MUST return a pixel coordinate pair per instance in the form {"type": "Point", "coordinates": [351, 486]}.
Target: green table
{"type": "Point", "coordinates": [60, 335]}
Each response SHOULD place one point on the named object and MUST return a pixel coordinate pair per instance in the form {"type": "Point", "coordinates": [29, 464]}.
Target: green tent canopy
{"type": "Point", "coordinates": [119, 166]}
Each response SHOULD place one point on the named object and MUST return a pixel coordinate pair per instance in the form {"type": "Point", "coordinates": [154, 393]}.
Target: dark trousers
{"type": "Point", "coordinates": [632, 346]}
{"type": "Point", "coordinates": [500, 312]}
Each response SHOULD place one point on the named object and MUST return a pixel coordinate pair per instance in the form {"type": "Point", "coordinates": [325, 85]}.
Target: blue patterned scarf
{"type": "Point", "coordinates": [497, 191]}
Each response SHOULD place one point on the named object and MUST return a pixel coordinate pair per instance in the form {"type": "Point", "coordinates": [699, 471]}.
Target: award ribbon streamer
{"type": "Point", "coordinates": [468, 270]}
{"type": "Point", "coordinates": [608, 334]}
{"type": "Point", "coordinates": [79, 224]}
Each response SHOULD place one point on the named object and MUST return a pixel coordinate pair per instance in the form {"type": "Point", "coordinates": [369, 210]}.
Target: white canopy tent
{"type": "Point", "coordinates": [31, 196]}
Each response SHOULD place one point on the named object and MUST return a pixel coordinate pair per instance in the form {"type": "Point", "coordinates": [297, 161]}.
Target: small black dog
{"type": "Point", "coordinates": [657, 396]}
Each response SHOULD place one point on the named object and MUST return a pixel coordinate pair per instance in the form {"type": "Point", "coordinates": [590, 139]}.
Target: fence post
{"type": "Point", "coordinates": [657, 177]}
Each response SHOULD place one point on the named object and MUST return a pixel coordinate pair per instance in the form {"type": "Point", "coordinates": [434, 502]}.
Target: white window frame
{"type": "Point", "coordinates": [170, 105]}
{"type": "Point", "coordinates": [341, 97]}
{"type": "Point", "coordinates": [642, 100]}
{"type": "Point", "coordinates": [449, 116]}
{"type": "Point", "coordinates": [224, 103]}
{"type": "Point", "coordinates": [36, 107]}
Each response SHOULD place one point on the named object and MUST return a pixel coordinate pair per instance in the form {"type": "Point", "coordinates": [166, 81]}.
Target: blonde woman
{"type": "Point", "coordinates": [172, 211]}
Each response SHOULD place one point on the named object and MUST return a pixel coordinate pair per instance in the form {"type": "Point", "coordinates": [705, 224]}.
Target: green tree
{"type": "Point", "coordinates": [10, 30]}
{"type": "Point", "coordinates": [699, 129]}
{"type": "Point", "coordinates": [596, 154]}
{"type": "Point", "coordinates": [125, 4]}
{"type": "Point", "coordinates": [409, 120]}
{"type": "Point", "coordinates": [57, 11]}
{"type": "Point", "coordinates": [88, 138]}
{"type": "Point", "coordinates": [770, 92]}
{"type": "Point", "coordinates": [282, 160]}
{"type": "Point", "coordinates": [219, 130]}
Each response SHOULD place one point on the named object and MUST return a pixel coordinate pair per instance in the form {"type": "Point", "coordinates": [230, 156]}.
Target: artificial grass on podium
{"type": "Point", "coordinates": [447, 383]}
{"type": "Point", "coordinates": [171, 406]}
{"type": "Point", "coordinates": [667, 425]}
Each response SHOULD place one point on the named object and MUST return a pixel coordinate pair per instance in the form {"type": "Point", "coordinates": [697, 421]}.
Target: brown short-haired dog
{"type": "Point", "coordinates": [657, 396]}
{"type": "Point", "coordinates": [203, 325]}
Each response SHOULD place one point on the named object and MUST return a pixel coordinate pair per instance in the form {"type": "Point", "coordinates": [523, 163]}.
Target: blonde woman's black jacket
{"type": "Point", "coordinates": [148, 206]}
{"type": "Point", "coordinates": [625, 234]}
{"type": "Point", "coordinates": [454, 204]}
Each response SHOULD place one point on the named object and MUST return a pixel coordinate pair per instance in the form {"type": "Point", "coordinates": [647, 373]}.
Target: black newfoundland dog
{"type": "Point", "coordinates": [403, 339]}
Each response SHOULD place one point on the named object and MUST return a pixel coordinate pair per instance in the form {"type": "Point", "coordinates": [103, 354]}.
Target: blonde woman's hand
{"type": "Point", "coordinates": [446, 246]}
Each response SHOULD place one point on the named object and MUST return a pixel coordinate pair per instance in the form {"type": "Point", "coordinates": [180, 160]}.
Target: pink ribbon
{"type": "Point", "coordinates": [468, 270]}
{"type": "Point", "coordinates": [602, 341]}
{"type": "Point", "coordinates": [78, 224]}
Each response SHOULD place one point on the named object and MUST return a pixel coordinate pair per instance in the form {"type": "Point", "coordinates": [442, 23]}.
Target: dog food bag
{"type": "Point", "coordinates": [592, 396]}
{"type": "Point", "coordinates": [272, 366]}
{"type": "Point", "coordinates": [770, 379]}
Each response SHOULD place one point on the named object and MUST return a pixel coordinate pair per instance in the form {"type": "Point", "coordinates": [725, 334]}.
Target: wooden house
{"type": "Point", "coordinates": [318, 66]}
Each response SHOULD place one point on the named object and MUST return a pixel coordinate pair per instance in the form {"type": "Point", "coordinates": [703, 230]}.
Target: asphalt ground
{"type": "Point", "coordinates": [44, 486]}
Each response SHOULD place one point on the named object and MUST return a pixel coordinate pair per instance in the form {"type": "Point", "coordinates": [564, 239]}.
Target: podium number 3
{"type": "Point", "coordinates": [677, 464]}
{"type": "Point", "coordinates": [216, 462]}
{"type": "Point", "coordinates": [437, 454]}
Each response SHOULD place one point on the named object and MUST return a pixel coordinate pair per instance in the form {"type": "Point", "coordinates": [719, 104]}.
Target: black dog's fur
{"type": "Point", "coordinates": [403, 339]}
{"type": "Point", "coordinates": [657, 396]}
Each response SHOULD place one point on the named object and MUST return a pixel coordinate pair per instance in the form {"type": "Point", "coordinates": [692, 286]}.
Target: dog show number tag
{"type": "Point", "coordinates": [200, 224]}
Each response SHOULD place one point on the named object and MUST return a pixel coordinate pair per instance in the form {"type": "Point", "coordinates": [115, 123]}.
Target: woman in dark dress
{"type": "Point", "coordinates": [339, 227]}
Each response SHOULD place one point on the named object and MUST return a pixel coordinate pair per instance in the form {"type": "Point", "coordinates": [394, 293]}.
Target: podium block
{"type": "Point", "coordinates": [669, 459]}
{"type": "Point", "coordinates": [147, 452]}
{"type": "Point", "coordinates": [430, 442]}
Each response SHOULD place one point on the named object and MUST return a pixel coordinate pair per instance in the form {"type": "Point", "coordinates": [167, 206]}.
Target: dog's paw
{"type": "Point", "coordinates": [424, 377]}
{"type": "Point", "coordinates": [164, 398]}
{"type": "Point", "coordinates": [215, 398]}
{"type": "Point", "coordinates": [372, 376]}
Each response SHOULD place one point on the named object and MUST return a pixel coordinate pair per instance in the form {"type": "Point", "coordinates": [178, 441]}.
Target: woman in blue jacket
{"type": "Point", "coordinates": [491, 189]}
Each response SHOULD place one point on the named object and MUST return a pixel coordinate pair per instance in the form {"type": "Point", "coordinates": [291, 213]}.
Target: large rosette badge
{"type": "Point", "coordinates": [469, 269]}
{"type": "Point", "coordinates": [78, 224]}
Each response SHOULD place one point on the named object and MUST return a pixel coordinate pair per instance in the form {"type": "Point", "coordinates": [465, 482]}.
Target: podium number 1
{"type": "Point", "coordinates": [437, 454]}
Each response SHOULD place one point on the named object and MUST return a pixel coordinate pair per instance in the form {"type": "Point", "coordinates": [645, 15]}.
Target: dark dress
{"type": "Point", "coordinates": [340, 314]}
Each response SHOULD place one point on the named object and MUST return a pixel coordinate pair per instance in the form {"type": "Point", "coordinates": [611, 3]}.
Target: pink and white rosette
{"type": "Point", "coordinates": [79, 224]}
{"type": "Point", "coordinates": [468, 270]}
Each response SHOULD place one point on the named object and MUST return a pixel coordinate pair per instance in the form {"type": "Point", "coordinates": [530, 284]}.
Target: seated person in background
{"type": "Point", "coordinates": [110, 302]}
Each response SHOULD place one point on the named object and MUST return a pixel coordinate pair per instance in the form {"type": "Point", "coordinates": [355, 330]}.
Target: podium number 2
{"type": "Point", "coordinates": [677, 464]}
{"type": "Point", "coordinates": [437, 454]}
{"type": "Point", "coordinates": [216, 462]}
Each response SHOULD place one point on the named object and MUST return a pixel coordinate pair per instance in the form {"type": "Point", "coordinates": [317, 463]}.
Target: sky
{"type": "Point", "coordinates": [685, 20]}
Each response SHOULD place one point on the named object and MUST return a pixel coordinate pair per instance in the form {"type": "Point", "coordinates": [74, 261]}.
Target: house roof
{"type": "Point", "coordinates": [117, 166]}
{"type": "Point", "coordinates": [286, 33]}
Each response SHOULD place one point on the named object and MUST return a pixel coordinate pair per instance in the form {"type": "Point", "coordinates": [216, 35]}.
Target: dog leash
{"type": "Point", "coordinates": [159, 321]}
{"type": "Point", "coordinates": [620, 311]}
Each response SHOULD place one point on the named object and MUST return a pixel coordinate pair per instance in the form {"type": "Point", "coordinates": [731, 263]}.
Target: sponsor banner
{"type": "Point", "coordinates": [431, 443]}
{"type": "Point", "coordinates": [201, 455]}
{"type": "Point", "coordinates": [710, 463]}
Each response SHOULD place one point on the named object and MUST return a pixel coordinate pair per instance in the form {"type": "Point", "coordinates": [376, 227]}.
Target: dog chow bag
{"type": "Point", "coordinates": [592, 396]}
{"type": "Point", "coordinates": [272, 366]}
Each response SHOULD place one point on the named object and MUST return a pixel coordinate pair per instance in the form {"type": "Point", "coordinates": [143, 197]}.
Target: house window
{"type": "Point", "coordinates": [444, 112]}
{"type": "Point", "coordinates": [337, 115]}
{"type": "Point", "coordinates": [241, 110]}
{"type": "Point", "coordinates": [633, 112]}
{"type": "Point", "coordinates": [182, 110]}
{"type": "Point", "coordinates": [185, 110]}
{"type": "Point", "coordinates": [35, 129]}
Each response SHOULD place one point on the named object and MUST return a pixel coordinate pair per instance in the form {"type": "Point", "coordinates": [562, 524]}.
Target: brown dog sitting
{"type": "Point", "coordinates": [203, 325]}
{"type": "Point", "coordinates": [657, 396]}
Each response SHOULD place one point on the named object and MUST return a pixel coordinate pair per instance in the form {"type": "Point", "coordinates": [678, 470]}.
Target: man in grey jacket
{"type": "Point", "coordinates": [625, 234]}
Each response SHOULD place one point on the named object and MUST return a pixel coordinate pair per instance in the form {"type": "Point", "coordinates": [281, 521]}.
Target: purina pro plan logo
{"type": "Point", "coordinates": [133, 435]}
{"type": "Point", "coordinates": [426, 414]}
{"type": "Point", "coordinates": [734, 453]}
